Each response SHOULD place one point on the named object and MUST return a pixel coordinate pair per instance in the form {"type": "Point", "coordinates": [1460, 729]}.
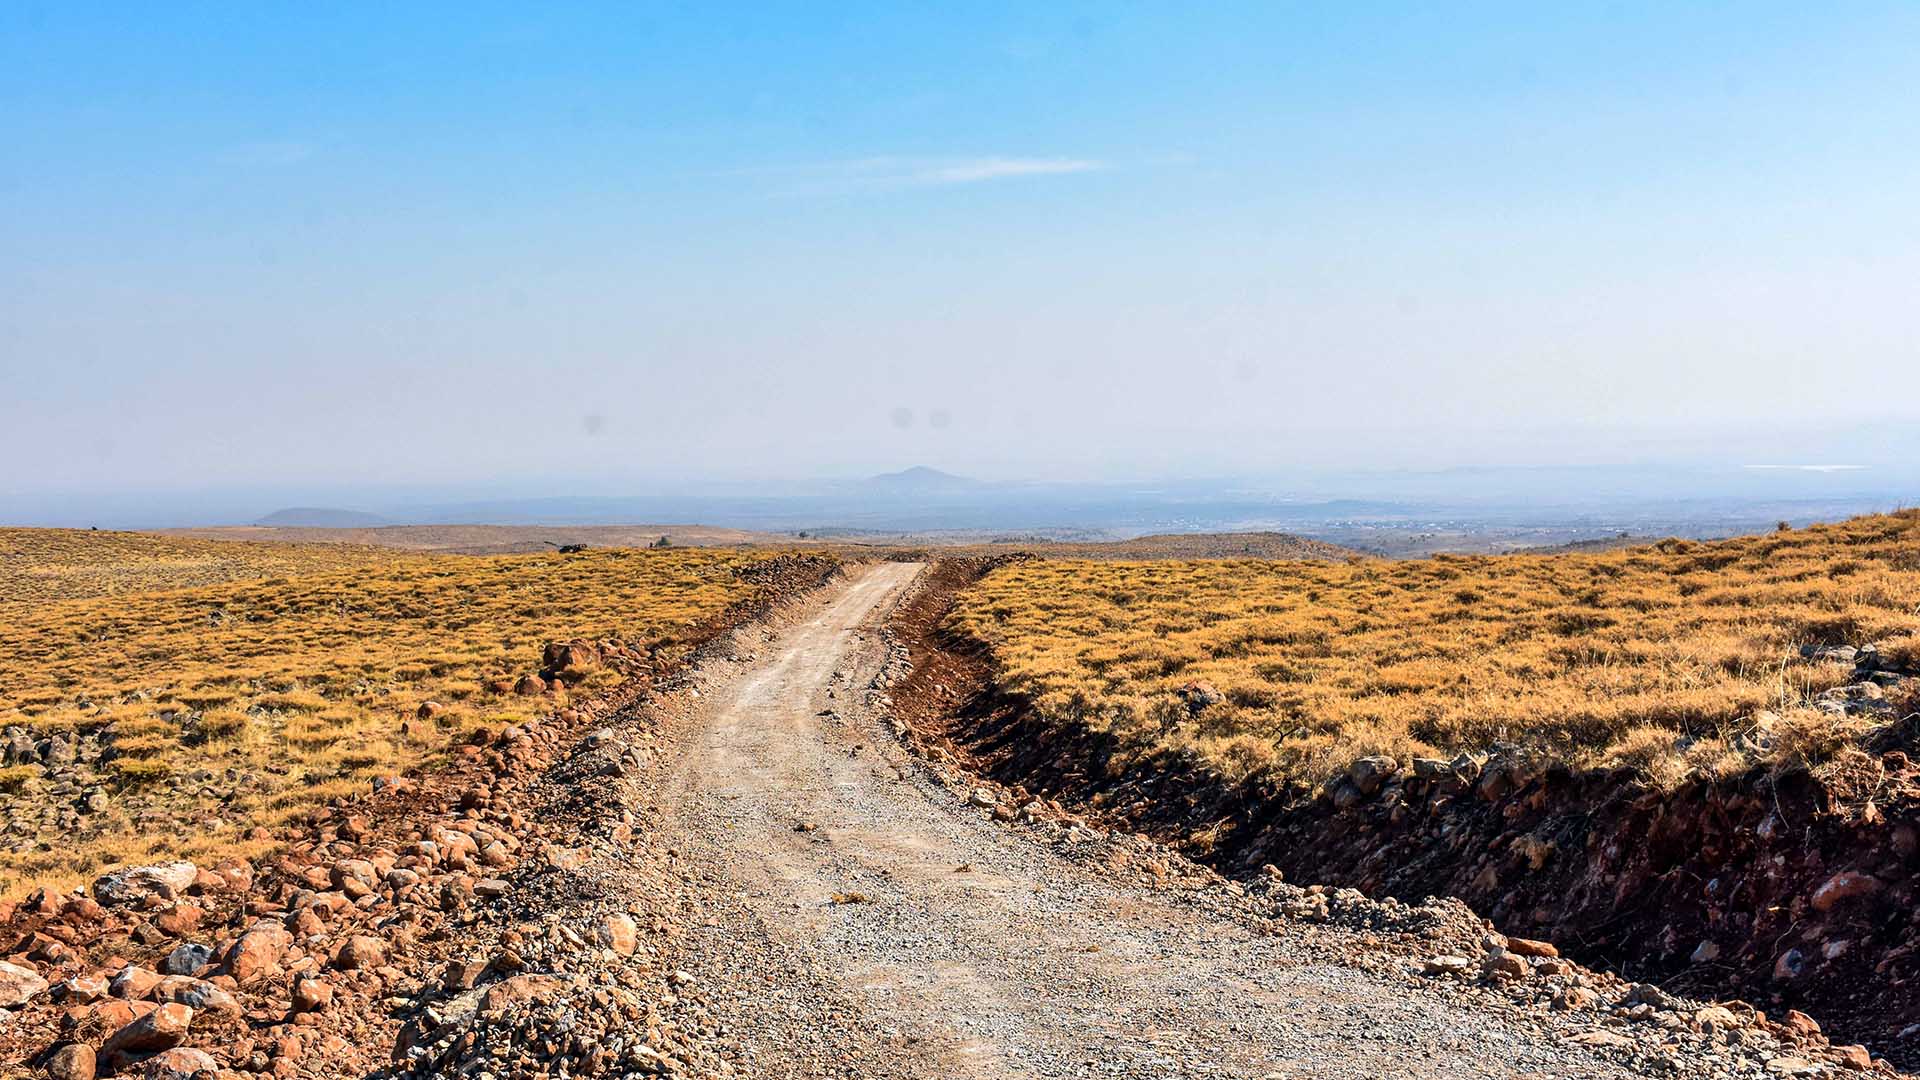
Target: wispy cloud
{"type": "Point", "coordinates": [978, 170]}
{"type": "Point", "coordinates": [901, 172]}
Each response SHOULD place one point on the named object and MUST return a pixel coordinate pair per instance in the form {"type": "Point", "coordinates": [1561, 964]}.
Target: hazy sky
{"type": "Point", "coordinates": [634, 243]}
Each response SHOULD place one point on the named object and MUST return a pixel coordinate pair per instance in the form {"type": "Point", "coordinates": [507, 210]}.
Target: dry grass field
{"type": "Point", "coordinates": [1241, 545]}
{"type": "Point", "coordinates": [1677, 658]}
{"type": "Point", "coordinates": [62, 564]}
{"type": "Point", "coordinates": [491, 539]}
{"type": "Point", "coordinates": [215, 708]}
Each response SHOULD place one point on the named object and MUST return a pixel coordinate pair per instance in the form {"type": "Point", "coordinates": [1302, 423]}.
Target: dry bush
{"type": "Point", "coordinates": [1658, 657]}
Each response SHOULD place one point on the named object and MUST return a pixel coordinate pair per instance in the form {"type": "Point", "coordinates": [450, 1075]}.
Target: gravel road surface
{"type": "Point", "coordinates": [978, 951]}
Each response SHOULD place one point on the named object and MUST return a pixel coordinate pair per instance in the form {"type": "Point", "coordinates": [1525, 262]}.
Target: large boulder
{"type": "Point", "coordinates": [1370, 773]}
{"type": "Point", "coordinates": [19, 985]}
{"type": "Point", "coordinates": [60, 750]}
{"type": "Point", "coordinates": [114, 1014]}
{"type": "Point", "coordinates": [134, 983]}
{"type": "Point", "coordinates": [74, 1061]}
{"type": "Point", "coordinates": [186, 958]}
{"type": "Point", "coordinates": [354, 877]}
{"type": "Point", "coordinates": [257, 951]}
{"type": "Point", "coordinates": [502, 996]}
{"type": "Point", "coordinates": [179, 920]}
{"type": "Point", "coordinates": [84, 988]}
{"type": "Point", "coordinates": [20, 750]}
{"type": "Point", "coordinates": [1520, 946]}
{"type": "Point", "coordinates": [137, 883]}
{"type": "Point", "coordinates": [196, 994]}
{"type": "Point", "coordinates": [179, 1063]}
{"type": "Point", "coordinates": [1842, 887]}
{"type": "Point", "coordinates": [311, 995]}
{"type": "Point", "coordinates": [571, 661]}
{"type": "Point", "coordinates": [360, 952]}
{"type": "Point", "coordinates": [161, 1029]}
{"type": "Point", "coordinates": [456, 850]}
{"type": "Point", "coordinates": [619, 933]}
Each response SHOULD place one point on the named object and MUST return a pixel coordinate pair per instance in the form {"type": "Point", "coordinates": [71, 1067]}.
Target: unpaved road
{"type": "Point", "coordinates": [976, 950]}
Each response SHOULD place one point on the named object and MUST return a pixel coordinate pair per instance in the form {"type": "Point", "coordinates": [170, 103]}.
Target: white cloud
{"type": "Point", "coordinates": [998, 168]}
{"type": "Point", "coordinates": [897, 172]}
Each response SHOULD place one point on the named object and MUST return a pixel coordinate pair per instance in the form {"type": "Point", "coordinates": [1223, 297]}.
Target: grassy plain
{"type": "Point", "coordinates": [489, 539]}
{"type": "Point", "coordinates": [65, 564]}
{"type": "Point", "coordinates": [243, 703]}
{"type": "Point", "coordinates": [1676, 658]}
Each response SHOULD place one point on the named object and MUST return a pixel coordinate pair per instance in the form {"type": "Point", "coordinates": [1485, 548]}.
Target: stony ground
{"type": "Point", "coordinates": [746, 873]}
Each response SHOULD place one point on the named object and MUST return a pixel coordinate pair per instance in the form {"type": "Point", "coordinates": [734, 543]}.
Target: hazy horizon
{"type": "Point", "coordinates": [620, 250]}
{"type": "Point", "coordinates": [1668, 498]}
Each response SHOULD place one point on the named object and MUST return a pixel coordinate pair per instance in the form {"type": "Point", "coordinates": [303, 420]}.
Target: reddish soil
{"type": "Point", "coordinates": [1770, 888]}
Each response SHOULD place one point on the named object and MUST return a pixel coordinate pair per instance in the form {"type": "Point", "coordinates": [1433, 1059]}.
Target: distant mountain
{"type": "Point", "coordinates": [321, 517]}
{"type": "Point", "coordinates": [920, 480]}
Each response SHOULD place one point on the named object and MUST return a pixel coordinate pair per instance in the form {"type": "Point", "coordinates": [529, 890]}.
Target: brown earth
{"type": "Point", "coordinates": [1768, 887]}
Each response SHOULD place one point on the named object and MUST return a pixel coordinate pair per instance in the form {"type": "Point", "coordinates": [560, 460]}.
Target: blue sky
{"type": "Point", "coordinates": [633, 244]}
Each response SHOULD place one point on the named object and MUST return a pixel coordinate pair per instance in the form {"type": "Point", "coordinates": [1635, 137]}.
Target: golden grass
{"type": "Point", "coordinates": [307, 686]}
{"type": "Point", "coordinates": [63, 564]}
{"type": "Point", "coordinates": [1661, 657]}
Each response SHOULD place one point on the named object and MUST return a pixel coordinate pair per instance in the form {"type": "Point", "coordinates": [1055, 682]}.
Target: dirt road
{"type": "Point", "coordinates": [973, 949]}
{"type": "Point", "coordinates": [739, 871]}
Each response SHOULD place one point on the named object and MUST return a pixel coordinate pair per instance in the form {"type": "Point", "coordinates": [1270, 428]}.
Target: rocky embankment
{"type": "Point", "coordinates": [463, 921]}
{"type": "Point", "coordinates": [1777, 890]}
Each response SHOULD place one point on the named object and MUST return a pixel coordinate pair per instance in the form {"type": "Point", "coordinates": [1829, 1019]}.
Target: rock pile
{"type": "Point", "coordinates": [307, 957]}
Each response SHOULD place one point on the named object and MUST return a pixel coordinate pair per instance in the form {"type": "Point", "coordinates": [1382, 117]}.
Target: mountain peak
{"type": "Point", "coordinates": [921, 478]}
{"type": "Point", "coordinates": [322, 517]}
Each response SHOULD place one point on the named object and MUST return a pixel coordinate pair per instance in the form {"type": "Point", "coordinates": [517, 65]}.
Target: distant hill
{"type": "Point", "coordinates": [920, 479]}
{"type": "Point", "coordinates": [321, 517]}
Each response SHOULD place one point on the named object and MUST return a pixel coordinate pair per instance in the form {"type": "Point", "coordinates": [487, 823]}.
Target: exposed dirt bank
{"type": "Point", "coordinates": [1770, 889]}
